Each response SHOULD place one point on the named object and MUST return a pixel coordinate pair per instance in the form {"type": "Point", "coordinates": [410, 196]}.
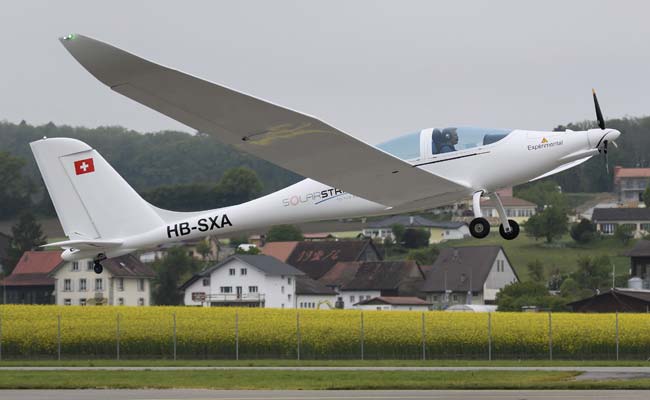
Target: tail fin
{"type": "Point", "coordinates": [91, 199]}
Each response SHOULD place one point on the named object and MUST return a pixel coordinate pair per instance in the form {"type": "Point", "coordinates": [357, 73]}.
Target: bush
{"type": "Point", "coordinates": [415, 238]}
{"type": "Point", "coordinates": [583, 232]}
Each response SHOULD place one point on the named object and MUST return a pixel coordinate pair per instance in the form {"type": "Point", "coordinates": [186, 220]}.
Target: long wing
{"type": "Point", "coordinates": [295, 141]}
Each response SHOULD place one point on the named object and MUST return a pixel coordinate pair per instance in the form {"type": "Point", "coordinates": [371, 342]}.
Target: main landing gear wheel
{"type": "Point", "coordinates": [513, 233]}
{"type": "Point", "coordinates": [479, 228]}
{"type": "Point", "coordinates": [98, 268]}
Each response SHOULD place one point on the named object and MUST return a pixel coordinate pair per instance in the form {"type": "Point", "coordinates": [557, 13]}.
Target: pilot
{"type": "Point", "coordinates": [449, 138]}
{"type": "Point", "coordinates": [436, 141]}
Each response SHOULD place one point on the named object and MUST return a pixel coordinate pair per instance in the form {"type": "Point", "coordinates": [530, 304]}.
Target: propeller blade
{"type": "Point", "coordinates": [614, 143]}
{"type": "Point", "coordinates": [599, 114]}
{"type": "Point", "coordinates": [606, 156]}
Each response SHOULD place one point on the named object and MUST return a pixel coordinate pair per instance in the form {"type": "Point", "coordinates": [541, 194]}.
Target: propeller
{"type": "Point", "coordinates": [601, 125]}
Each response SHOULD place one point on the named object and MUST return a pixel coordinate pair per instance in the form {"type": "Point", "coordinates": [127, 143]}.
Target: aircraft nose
{"type": "Point", "coordinates": [597, 136]}
{"type": "Point", "coordinates": [613, 134]}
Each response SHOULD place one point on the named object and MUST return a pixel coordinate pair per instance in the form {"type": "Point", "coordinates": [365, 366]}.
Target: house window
{"type": "Point", "coordinates": [120, 301]}
{"type": "Point", "coordinates": [141, 301]}
{"type": "Point", "coordinates": [352, 299]}
{"type": "Point", "coordinates": [226, 289]}
{"type": "Point", "coordinates": [120, 284]}
{"type": "Point", "coordinates": [140, 285]}
{"type": "Point", "coordinates": [252, 289]}
{"type": "Point", "coordinates": [289, 280]}
{"type": "Point", "coordinates": [67, 285]}
{"type": "Point", "coordinates": [435, 298]}
{"type": "Point", "coordinates": [455, 297]}
{"type": "Point", "coordinates": [645, 227]}
{"type": "Point", "coordinates": [99, 284]}
{"type": "Point", "coordinates": [289, 297]}
{"type": "Point", "coordinates": [82, 285]}
{"type": "Point", "coordinates": [231, 271]}
{"type": "Point", "coordinates": [608, 228]}
{"type": "Point", "coordinates": [243, 271]}
{"type": "Point", "coordinates": [67, 302]}
{"type": "Point", "coordinates": [282, 289]}
{"type": "Point", "coordinates": [89, 265]}
{"type": "Point", "coordinates": [206, 281]}
{"type": "Point", "coordinates": [75, 266]}
{"type": "Point", "coordinates": [82, 302]}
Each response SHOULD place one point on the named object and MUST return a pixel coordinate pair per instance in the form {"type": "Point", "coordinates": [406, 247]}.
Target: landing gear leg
{"type": "Point", "coordinates": [509, 229]}
{"type": "Point", "coordinates": [98, 268]}
{"type": "Point", "coordinates": [479, 227]}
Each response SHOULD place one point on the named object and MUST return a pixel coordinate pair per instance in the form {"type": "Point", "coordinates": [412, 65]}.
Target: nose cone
{"type": "Point", "coordinates": [598, 136]}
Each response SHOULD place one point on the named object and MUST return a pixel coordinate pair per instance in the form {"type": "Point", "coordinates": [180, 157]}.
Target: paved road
{"type": "Point", "coordinates": [321, 395]}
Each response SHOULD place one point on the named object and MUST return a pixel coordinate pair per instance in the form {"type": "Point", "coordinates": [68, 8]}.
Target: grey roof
{"type": "Point", "coordinates": [306, 285]}
{"type": "Point", "coordinates": [621, 214]}
{"type": "Point", "coordinates": [455, 267]}
{"type": "Point", "coordinates": [383, 275]}
{"type": "Point", "coordinates": [643, 295]}
{"type": "Point", "coordinates": [414, 221]}
{"type": "Point", "coordinates": [640, 249]}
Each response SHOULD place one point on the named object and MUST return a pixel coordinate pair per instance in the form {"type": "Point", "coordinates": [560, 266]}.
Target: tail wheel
{"type": "Point", "coordinates": [98, 268]}
{"type": "Point", "coordinates": [479, 228]}
{"type": "Point", "coordinates": [513, 233]}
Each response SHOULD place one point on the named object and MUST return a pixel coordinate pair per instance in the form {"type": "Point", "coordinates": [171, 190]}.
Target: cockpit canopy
{"type": "Point", "coordinates": [446, 140]}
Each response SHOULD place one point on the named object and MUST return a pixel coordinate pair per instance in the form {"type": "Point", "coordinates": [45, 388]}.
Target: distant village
{"type": "Point", "coordinates": [345, 265]}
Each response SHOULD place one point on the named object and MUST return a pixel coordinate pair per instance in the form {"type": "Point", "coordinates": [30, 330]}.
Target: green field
{"type": "Point", "coordinates": [562, 255]}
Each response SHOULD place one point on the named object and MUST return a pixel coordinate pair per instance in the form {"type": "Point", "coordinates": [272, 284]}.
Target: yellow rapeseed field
{"type": "Point", "coordinates": [148, 332]}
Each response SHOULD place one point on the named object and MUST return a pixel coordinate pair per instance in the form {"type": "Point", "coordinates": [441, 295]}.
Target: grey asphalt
{"type": "Point", "coordinates": [194, 394]}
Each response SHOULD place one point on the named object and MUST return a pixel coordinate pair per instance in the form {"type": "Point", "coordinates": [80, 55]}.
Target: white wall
{"type": "Point", "coordinates": [359, 295]}
{"type": "Point", "coordinates": [497, 280]}
{"type": "Point", "coordinates": [390, 307]}
{"type": "Point", "coordinates": [131, 295]}
{"type": "Point", "coordinates": [312, 301]}
{"type": "Point", "coordinates": [269, 286]}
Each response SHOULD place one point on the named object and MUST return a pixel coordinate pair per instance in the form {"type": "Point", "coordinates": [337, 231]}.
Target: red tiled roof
{"type": "Point", "coordinates": [620, 172]}
{"type": "Point", "coordinates": [507, 201]}
{"type": "Point", "coordinates": [317, 258]}
{"type": "Point", "coordinates": [33, 269]}
{"type": "Point", "coordinates": [279, 250]}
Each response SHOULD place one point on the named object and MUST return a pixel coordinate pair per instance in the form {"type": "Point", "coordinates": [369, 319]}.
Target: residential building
{"type": "Point", "coordinates": [393, 304]}
{"type": "Point", "coordinates": [439, 230]}
{"type": "Point", "coordinates": [615, 300]}
{"type": "Point", "coordinates": [516, 209]}
{"type": "Point", "coordinates": [190, 246]}
{"type": "Point", "coordinates": [608, 219]}
{"type": "Point", "coordinates": [29, 282]}
{"type": "Point", "coordinates": [125, 282]}
{"type": "Point", "coordinates": [316, 258]}
{"type": "Point", "coordinates": [468, 275]}
{"type": "Point", "coordinates": [314, 294]}
{"type": "Point", "coordinates": [630, 183]}
{"type": "Point", "coordinates": [640, 265]}
{"type": "Point", "coordinates": [244, 280]}
{"type": "Point", "coordinates": [360, 281]}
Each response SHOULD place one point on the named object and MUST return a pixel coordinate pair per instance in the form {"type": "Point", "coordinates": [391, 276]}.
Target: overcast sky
{"type": "Point", "coordinates": [372, 68]}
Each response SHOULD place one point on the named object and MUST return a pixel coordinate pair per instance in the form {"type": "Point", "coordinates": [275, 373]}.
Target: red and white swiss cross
{"type": "Point", "coordinates": [84, 166]}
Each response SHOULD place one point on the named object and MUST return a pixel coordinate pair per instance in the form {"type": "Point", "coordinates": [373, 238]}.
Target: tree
{"type": "Point", "coordinates": [593, 273]}
{"type": "Point", "coordinates": [624, 233]}
{"type": "Point", "coordinates": [519, 294]}
{"type": "Point", "coordinates": [252, 250]}
{"type": "Point", "coordinates": [27, 235]}
{"type": "Point", "coordinates": [583, 232]}
{"type": "Point", "coordinates": [204, 249]}
{"type": "Point", "coordinates": [415, 238]}
{"type": "Point", "coordinates": [239, 185]}
{"type": "Point", "coordinates": [542, 193]}
{"type": "Point", "coordinates": [646, 196]}
{"type": "Point", "coordinates": [549, 224]}
{"type": "Point", "coordinates": [15, 189]}
{"type": "Point", "coordinates": [424, 256]}
{"type": "Point", "coordinates": [235, 241]}
{"type": "Point", "coordinates": [536, 270]}
{"type": "Point", "coordinates": [169, 271]}
{"type": "Point", "coordinates": [398, 232]}
{"type": "Point", "coordinates": [284, 233]}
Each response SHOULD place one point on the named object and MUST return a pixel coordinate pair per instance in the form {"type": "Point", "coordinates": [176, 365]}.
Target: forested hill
{"type": "Point", "coordinates": [148, 160]}
{"type": "Point", "coordinates": [633, 151]}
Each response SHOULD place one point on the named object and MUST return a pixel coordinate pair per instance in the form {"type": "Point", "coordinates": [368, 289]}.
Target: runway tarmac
{"type": "Point", "coordinates": [194, 394]}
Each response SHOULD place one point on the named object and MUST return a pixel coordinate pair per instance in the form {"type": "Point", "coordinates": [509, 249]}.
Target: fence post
{"type": "Point", "coordinates": [117, 337]}
{"type": "Point", "coordinates": [298, 335]}
{"type": "Point", "coordinates": [58, 337]}
{"type": "Point", "coordinates": [489, 336]}
{"type": "Point", "coordinates": [550, 336]}
{"type": "Point", "coordinates": [617, 342]}
{"type": "Point", "coordinates": [424, 339]}
{"type": "Point", "coordinates": [0, 336]}
{"type": "Point", "coordinates": [174, 315]}
{"type": "Point", "coordinates": [236, 335]}
{"type": "Point", "coordinates": [362, 337]}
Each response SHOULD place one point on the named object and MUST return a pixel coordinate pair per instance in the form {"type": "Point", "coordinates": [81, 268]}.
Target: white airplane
{"type": "Point", "coordinates": [104, 217]}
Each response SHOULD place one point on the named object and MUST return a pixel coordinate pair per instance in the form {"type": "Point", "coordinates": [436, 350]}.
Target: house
{"type": "Point", "coordinates": [516, 209]}
{"type": "Point", "coordinates": [314, 294]}
{"type": "Point", "coordinates": [468, 275]}
{"type": "Point", "coordinates": [194, 248]}
{"type": "Point", "coordinates": [30, 283]}
{"type": "Point", "coordinates": [5, 242]}
{"type": "Point", "coordinates": [125, 282]}
{"type": "Point", "coordinates": [393, 304]}
{"type": "Point", "coordinates": [640, 265]}
{"type": "Point", "coordinates": [615, 300]}
{"type": "Point", "coordinates": [608, 219]}
{"type": "Point", "coordinates": [360, 281]}
{"type": "Point", "coordinates": [630, 183]}
{"type": "Point", "coordinates": [316, 258]}
{"type": "Point", "coordinates": [245, 281]}
{"type": "Point", "coordinates": [439, 230]}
